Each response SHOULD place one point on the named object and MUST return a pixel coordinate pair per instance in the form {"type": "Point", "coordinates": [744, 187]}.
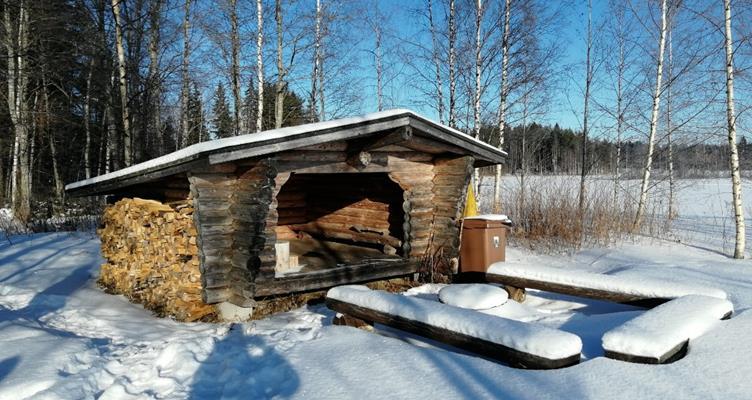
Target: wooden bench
{"type": "Point", "coordinates": [645, 292]}
{"type": "Point", "coordinates": [516, 343]}
{"type": "Point", "coordinates": [662, 335]}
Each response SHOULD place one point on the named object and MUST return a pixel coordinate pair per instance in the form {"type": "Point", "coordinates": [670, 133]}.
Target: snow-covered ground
{"type": "Point", "coordinates": [61, 337]}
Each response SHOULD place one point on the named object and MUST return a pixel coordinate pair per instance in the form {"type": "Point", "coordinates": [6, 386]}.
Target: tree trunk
{"type": "Point", "coordinates": [669, 77]}
{"type": "Point", "coordinates": [379, 92]}
{"type": "Point", "coordinates": [476, 93]}
{"type": "Point", "coordinates": [260, 64]}
{"type": "Point", "coordinates": [736, 183]}
{"type": "Point", "coordinates": [316, 62]}
{"type": "Point", "coordinates": [503, 99]}
{"type": "Point", "coordinates": [585, 114]}
{"type": "Point", "coordinates": [235, 39]}
{"type": "Point", "coordinates": [155, 86]}
{"type": "Point", "coordinates": [436, 63]}
{"type": "Point", "coordinates": [452, 62]}
{"type": "Point", "coordinates": [59, 186]}
{"type": "Point", "coordinates": [281, 72]}
{"type": "Point", "coordinates": [185, 87]}
{"type": "Point", "coordinates": [653, 121]}
{"type": "Point", "coordinates": [17, 40]}
{"type": "Point", "coordinates": [619, 113]}
{"type": "Point", "coordinates": [87, 118]}
{"type": "Point", "coordinates": [123, 83]}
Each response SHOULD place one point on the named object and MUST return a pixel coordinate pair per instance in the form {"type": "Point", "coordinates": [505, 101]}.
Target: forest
{"type": "Point", "coordinates": [618, 88]}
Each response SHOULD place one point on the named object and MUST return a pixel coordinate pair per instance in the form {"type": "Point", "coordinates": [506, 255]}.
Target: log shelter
{"type": "Point", "coordinates": [309, 207]}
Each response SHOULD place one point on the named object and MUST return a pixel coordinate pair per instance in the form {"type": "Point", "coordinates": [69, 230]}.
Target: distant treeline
{"type": "Point", "coordinates": [550, 149]}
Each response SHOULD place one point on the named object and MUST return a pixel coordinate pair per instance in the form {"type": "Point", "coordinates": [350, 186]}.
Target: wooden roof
{"type": "Point", "coordinates": [284, 139]}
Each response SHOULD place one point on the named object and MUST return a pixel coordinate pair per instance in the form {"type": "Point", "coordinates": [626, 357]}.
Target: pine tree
{"type": "Point", "coordinates": [222, 121]}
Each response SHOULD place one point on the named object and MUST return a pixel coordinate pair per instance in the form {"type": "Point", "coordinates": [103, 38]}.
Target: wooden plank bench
{"type": "Point", "coordinates": [645, 292]}
{"type": "Point", "coordinates": [516, 343]}
{"type": "Point", "coordinates": [662, 335]}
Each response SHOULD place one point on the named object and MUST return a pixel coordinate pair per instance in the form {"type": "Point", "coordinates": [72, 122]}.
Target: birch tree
{"type": "Point", "coordinates": [260, 64]}
{"type": "Point", "coordinates": [185, 131]}
{"type": "Point", "coordinates": [452, 65]}
{"type": "Point", "coordinates": [644, 186]}
{"type": "Point", "coordinates": [235, 68]}
{"type": "Point", "coordinates": [123, 84]}
{"type": "Point", "coordinates": [585, 113]}
{"type": "Point", "coordinates": [280, 86]}
{"type": "Point", "coordinates": [17, 82]}
{"type": "Point", "coordinates": [154, 81]}
{"type": "Point", "coordinates": [504, 92]}
{"type": "Point", "coordinates": [669, 128]}
{"type": "Point", "coordinates": [316, 63]}
{"type": "Point", "coordinates": [736, 184]}
{"type": "Point", "coordinates": [477, 91]}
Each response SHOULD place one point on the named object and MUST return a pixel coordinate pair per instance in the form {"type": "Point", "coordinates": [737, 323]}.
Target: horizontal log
{"type": "Point", "coordinates": [355, 273]}
{"type": "Point", "coordinates": [336, 232]}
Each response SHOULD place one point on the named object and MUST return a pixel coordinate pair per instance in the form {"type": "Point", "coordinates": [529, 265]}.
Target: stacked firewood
{"type": "Point", "coordinates": [152, 257]}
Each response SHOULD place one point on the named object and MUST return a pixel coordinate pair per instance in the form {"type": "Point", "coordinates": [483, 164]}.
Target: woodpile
{"type": "Point", "coordinates": [152, 257]}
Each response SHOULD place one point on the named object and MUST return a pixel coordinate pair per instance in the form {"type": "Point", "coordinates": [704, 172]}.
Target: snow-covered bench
{"type": "Point", "coordinates": [517, 343]}
{"type": "Point", "coordinates": [662, 335]}
{"type": "Point", "coordinates": [621, 289]}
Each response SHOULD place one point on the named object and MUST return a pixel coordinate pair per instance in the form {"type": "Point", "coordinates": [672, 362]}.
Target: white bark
{"type": "Point", "coordinates": [123, 83]}
{"type": "Point", "coordinates": [503, 98]}
{"type": "Point", "coordinates": [281, 71]}
{"type": "Point", "coordinates": [452, 65]}
{"type": "Point", "coordinates": [316, 61]}
{"type": "Point", "coordinates": [476, 93]}
{"type": "Point", "coordinates": [733, 153]}
{"type": "Point", "coordinates": [185, 86]}
{"type": "Point", "coordinates": [585, 114]}
{"type": "Point", "coordinates": [17, 41]}
{"type": "Point", "coordinates": [377, 55]}
{"type": "Point", "coordinates": [669, 77]}
{"type": "Point", "coordinates": [235, 67]}
{"type": "Point", "coordinates": [87, 118]}
{"type": "Point", "coordinates": [653, 119]}
{"type": "Point", "coordinates": [260, 64]}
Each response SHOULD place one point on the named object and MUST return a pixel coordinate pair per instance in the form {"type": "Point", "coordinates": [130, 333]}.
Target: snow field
{"type": "Point", "coordinates": [528, 338]}
{"type": "Point", "coordinates": [658, 331]}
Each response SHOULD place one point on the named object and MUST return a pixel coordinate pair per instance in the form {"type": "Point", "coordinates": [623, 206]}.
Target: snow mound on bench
{"type": "Point", "coordinates": [657, 331]}
{"type": "Point", "coordinates": [528, 338]}
{"type": "Point", "coordinates": [475, 296]}
{"type": "Point", "coordinates": [632, 285]}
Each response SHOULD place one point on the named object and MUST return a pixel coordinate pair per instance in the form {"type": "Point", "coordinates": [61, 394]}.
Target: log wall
{"type": "Point", "coordinates": [152, 257]}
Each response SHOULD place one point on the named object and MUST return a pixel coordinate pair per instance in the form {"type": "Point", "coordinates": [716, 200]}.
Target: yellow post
{"type": "Point", "coordinates": [471, 206]}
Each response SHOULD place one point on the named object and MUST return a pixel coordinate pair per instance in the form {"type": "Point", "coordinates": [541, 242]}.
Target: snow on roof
{"type": "Point", "coordinates": [199, 150]}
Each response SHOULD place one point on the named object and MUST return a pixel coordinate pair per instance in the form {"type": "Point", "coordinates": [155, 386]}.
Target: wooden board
{"type": "Point", "coordinates": [495, 351]}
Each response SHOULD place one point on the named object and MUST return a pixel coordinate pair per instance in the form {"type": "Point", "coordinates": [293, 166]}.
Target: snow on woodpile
{"type": "Point", "coordinates": [660, 330]}
{"type": "Point", "coordinates": [528, 338]}
{"type": "Point", "coordinates": [152, 257]}
{"type": "Point", "coordinates": [639, 286]}
{"type": "Point", "coordinates": [475, 296]}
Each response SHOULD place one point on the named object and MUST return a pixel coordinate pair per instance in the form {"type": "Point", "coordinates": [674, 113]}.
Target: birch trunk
{"type": "Point", "coordinates": [437, 64]}
{"type": "Point", "coordinates": [503, 99]}
{"type": "Point", "coordinates": [316, 60]}
{"type": "Point", "coordinates": [236, 90]}
{"type": "Point", "coordinates": [185, 87]}
{"type": "Point", "coordinates": [736, 183]}
{"type": "Point", "coordinates": [123, 83]}
{"type": "Point", "coordinates": [87, 118]}
{"type": "Point", "coordinates": [17, 40]}
{"type": "Point", "coordinates": [58, 181]}
{"type": "Point", "coordinates": [452, 66]}
{"type": "Point", "coordinates": [669, 77]}
{"type": "Point", "coordinates": [585, 114]}
{"type": "Point", "coordinates": [377, 54]}
{"type": "Point", "coordinates": [279, 98]}
{"type": "Point", "coordinates": [653, 120]}
{"type": "Point", "coordinates": [260, 64]}
{"type": "Point", "coordinates": [476, 93]}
